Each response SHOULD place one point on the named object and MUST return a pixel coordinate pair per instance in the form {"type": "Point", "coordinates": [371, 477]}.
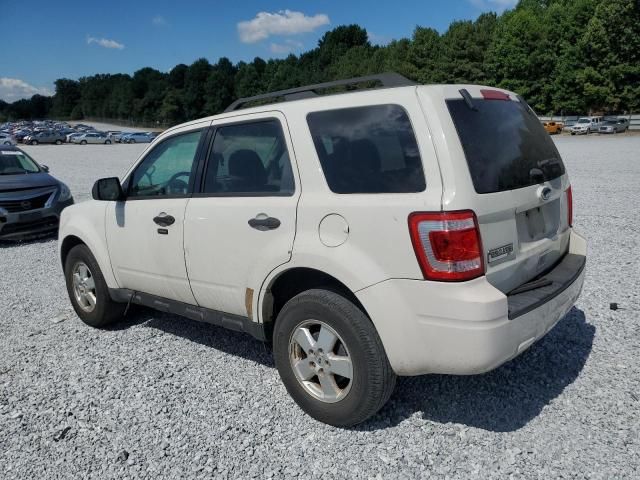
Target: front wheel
{"type": "Point", "coordinates": [331, 359]}
{"type": "Point", "coordinates": [58, 142]}
{"type": "Point", "coordinates": [87, 289]}
{"type": "Point", "coordinates": [107, 142]}
{"type": "Point", "coordinates": [34, 142]}
{"type": "Point", "coordinates": [83, 142]}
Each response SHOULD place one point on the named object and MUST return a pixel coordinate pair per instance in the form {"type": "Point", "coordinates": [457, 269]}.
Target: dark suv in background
{"type": "Point", "coordinates": [31, 200]}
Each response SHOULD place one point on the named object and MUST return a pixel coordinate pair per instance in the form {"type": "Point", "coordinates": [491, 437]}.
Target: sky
{"type": "Point", "coordinates": [49, 40]}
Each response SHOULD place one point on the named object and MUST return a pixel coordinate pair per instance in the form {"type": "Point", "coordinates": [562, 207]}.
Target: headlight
{"type": "Point", "coordinates": [65, 193]}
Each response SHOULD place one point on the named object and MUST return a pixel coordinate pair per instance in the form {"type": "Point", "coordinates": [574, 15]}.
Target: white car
{"type": "Point", "coordinates": [393, 231]}
{"type": "Point", "coordinates": [92, 138]}
{"type": "Point", "coordinates": [6, 139]}
{"type": "Point", "coordinates": [585, 125]}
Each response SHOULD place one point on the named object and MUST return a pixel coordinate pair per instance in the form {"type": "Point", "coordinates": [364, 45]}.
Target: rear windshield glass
{"type": "Point", "coordinates": [367, 150]}
{"type": "Point", "coordinates": [505, 145]}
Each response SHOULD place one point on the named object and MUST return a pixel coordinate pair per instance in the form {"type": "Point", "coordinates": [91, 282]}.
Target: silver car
{"type": "Point", "coordinates": [93, 137]}
{"type": "Point", "coordinates": [6, 139]}
{"type": "Point", "coordinates": [619, 125]}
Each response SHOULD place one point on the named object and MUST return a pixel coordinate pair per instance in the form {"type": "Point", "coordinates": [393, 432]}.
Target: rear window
{"type": "Point", "coordinates": [505, 145]}
{"type": "Point", "coordinates": [367, 150]}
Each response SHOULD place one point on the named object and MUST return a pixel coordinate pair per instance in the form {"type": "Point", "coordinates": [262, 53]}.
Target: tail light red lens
{"type": "Point", "coordinates": [569, 206]}
{"type": "Point", "coordinates": [447, 245]}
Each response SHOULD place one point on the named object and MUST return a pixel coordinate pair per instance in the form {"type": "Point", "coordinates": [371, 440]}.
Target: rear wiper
{"type": "Point", "coordinates": [467, 99]}
{"type": "Point", "coordinates": [548, 161]}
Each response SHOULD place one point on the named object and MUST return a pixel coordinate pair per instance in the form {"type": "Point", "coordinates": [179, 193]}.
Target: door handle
{"type": "Point", "coordinates": [262, 222]}
{"type": "Point", "coordinates": [164, 220]}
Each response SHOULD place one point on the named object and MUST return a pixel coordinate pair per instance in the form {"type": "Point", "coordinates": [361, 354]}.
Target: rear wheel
{"type": "Point", "coordinates": [331, 359]}
{"type": "Point", "coordinates": [83, 142]}
{"type": "Point", "coordinates": [87, 289]}
{"type": "Point", "coordinates": [107, 142]}
{"type": "Point", "coordinates": [58, 142]}
{"type": "Point", "coordinates": [7, 143]}
{"type": "Point", "coordinates": [34, 142]}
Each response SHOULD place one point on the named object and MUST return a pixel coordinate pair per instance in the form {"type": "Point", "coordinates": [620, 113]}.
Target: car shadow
{"type": "Point", "coordinates": [503, 400]}
{"type": "Point", "coordinates": [45, 238]}
{"type": "Point", "coordinates": [234, 343]}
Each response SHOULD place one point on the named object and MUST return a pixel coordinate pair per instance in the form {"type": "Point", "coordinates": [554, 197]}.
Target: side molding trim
{"type": "Point", "coordinates": [193, 312]}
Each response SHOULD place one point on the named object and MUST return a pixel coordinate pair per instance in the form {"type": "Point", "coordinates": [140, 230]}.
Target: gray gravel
{"type": "Point", "coordinates": [162, 397]}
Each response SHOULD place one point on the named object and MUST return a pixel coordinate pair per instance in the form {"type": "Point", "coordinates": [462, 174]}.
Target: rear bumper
{"type": "Point", "coordinates": [464, 328]}
{"type": "Point", "coordinates": [34, 223]}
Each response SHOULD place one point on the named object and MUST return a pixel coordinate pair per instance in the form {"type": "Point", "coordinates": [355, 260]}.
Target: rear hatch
{"type": "Point", "coordinates": [502, 164]}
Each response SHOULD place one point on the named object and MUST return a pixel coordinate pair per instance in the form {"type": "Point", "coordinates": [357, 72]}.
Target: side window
{"type": "Point", "coordinates": [249, 158]}
{"type": "Point", "coordinates": [367, 150]}
{"type": "Point", "coordinates": [167, 170]}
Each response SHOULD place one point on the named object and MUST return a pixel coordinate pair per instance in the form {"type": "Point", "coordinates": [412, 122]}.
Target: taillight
{"type": "Point", "coordinates": [447, 245]}
{"type": "Point", "coordinates": [569, 206]}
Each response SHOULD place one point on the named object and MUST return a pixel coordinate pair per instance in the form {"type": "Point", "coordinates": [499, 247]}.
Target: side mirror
{"type": "Point", "coordinates": [108, 190]}
{"type": "Point", "coordinates": [44, 168]}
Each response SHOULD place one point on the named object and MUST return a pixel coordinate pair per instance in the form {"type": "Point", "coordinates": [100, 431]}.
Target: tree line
{"type": "Point", "coordinates": [563, 56]}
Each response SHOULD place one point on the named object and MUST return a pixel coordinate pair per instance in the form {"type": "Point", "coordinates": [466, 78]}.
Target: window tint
{"type": "Point", "coordinates": [367, 150]}
{"type": "Point", "coordinates": [505, 145]}
{"type": "Point", "coordinates": [249, 158]}
{"type": "Point", "coordinates": [167, 170]}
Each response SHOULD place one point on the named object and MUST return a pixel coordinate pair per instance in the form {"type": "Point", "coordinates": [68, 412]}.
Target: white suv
{"type": "Point", "coordinates": [401, 230]}
{"type": "Point", "coordinates": [586, 125]}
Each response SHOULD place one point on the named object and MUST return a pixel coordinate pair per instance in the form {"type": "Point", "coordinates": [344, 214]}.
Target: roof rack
{"type": "Point", "coordinates": [388, 80]}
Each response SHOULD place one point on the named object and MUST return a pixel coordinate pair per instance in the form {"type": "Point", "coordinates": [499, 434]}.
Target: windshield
{"type": "Point", "coordinates": [16, 162]}
{"type": "Point", "coordinates": [584, 120]}
{"type": "Point", "coordinates": [505, 145]}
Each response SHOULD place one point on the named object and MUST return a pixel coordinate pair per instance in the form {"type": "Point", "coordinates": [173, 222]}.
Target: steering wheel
{"type": "Point", "coordinates": [174, 185]}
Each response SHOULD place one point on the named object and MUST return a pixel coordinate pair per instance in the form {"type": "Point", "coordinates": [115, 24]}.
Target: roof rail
{"type": "Point", "coordinates": [388, 80]}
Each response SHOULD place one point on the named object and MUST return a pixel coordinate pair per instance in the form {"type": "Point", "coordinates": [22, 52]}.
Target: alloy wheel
{"type": "Point", "coordinates": [320, 361]}
{"type": "Point", "coordinates": [84, 287]}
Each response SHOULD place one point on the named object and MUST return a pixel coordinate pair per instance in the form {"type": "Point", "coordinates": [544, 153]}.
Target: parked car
{"type": "Point", "coordinates": [586, 125]}
{"type": "Point", "coordinates": [240, 230]}
{"type": "Point", "coordinates": [553, 127]}
{"type": "Point", "coordinates": [619, 125]}
{"type": "Point", "coordinates": [138, 137]}
{"type": "Point", "coordinates": [93, 138]}
{"type": "Point", "coordinates": [45, 137]}
{"type": "Point", "coordinates": [6, 139]}
{"type": "Point", "coordinates": [31, 200]}
{"type": "Point", "coordinates": [70, 137]}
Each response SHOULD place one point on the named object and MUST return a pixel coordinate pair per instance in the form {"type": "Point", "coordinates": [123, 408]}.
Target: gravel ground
{"type": "Point", "coordinates": [159, 396]}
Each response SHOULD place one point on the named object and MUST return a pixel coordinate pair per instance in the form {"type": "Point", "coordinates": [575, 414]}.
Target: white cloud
{"type": "Point", "coordinates": [12, 89]}
{"type": "Point", "coordinates": [159, 21]}
{"type": "Point", "coordinates": [284, 22]}
{"type": "Point", "coordinates": [287, 47]}
{"type": "Point", "coordinates": [105, 42]}
{"type": "Point", "coordinates": [494, 5]}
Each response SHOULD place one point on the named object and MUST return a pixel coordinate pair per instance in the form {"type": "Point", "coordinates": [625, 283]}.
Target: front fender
{"type": "Point", "coordinates": [86, 222]}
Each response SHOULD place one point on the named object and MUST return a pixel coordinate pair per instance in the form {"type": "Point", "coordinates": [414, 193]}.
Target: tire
{"type": "Point", "coordinates": [34, 142]}
{"type": "Point", "coordinates": [83, 142]}
{"type": "Point", "coordinates": [58, 142]}
{"type": "Point", "coordinates": [105, 311]}
{"type": "Point", "coordinates": [107, 142]}
{"type": "Point", "coordinates": [351, 401]}
{"type": "Point", "coordinates": [7, 143]}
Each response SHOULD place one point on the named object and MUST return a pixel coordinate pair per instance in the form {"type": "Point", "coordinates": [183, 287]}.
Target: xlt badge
{"type": "Point", "coordinates": [498, 253]}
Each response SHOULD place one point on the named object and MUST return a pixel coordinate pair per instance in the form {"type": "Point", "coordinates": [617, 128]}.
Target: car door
{"type": "Point", "coordinates": [145, 232]}
{"type": "Point", "coordinates": [242, 224]}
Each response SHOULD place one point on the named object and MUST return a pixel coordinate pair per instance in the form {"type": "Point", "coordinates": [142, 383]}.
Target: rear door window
{"type": "Point", "coordinates": [505, 145]}
{"type": "Point", "coordinates": [249, 159]}
{"type": "Point", "coordinates": [367, 150]}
